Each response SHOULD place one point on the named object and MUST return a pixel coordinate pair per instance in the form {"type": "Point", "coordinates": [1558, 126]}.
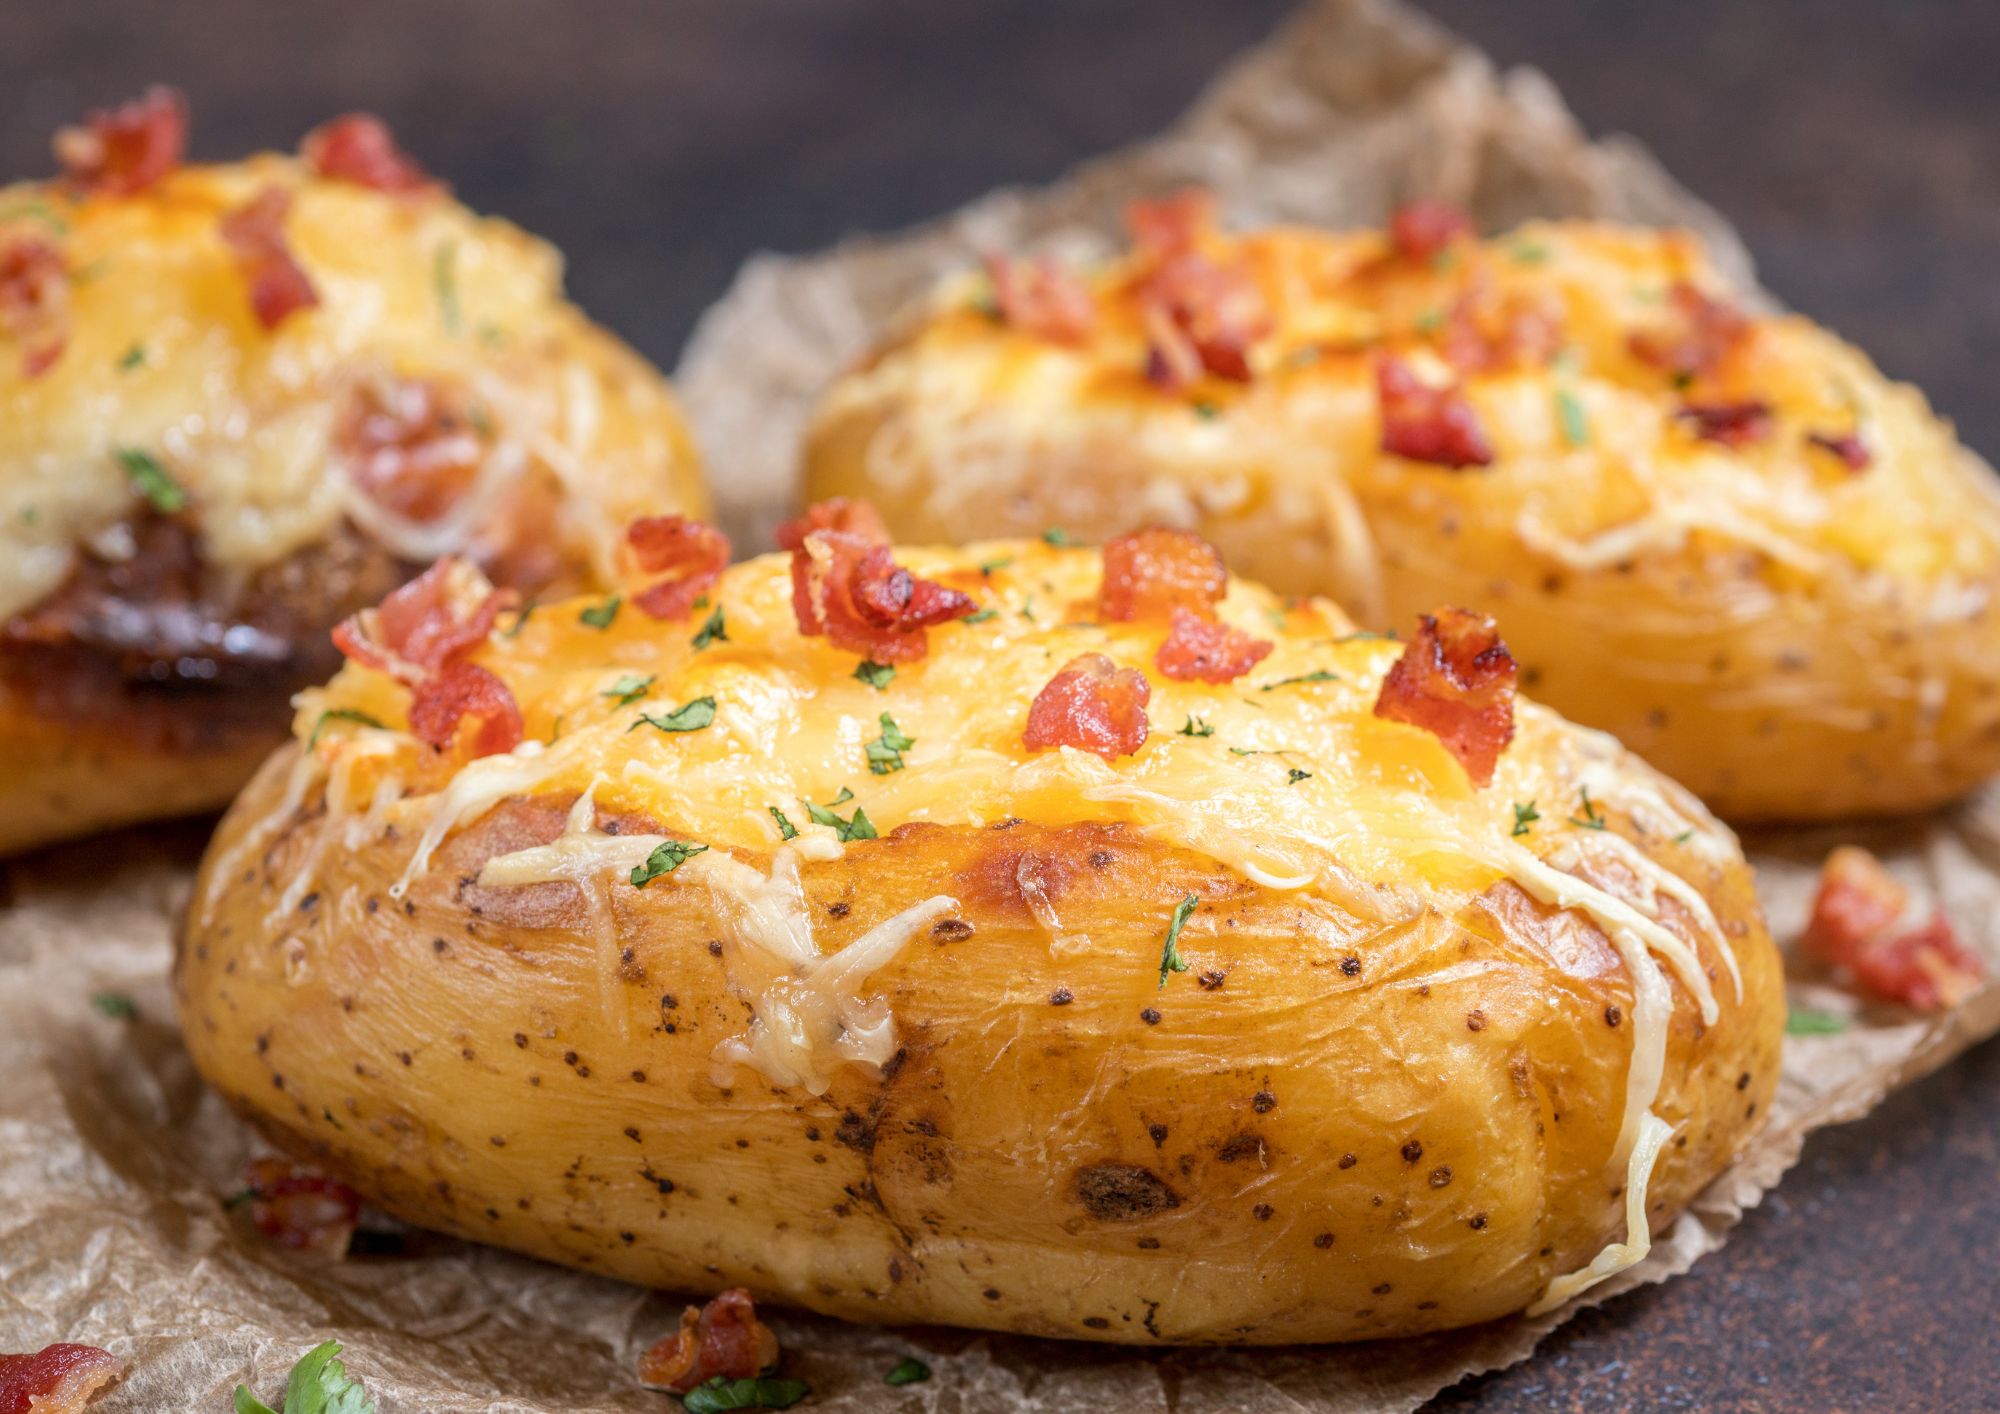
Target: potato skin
{"type": "Point", "coordinates": [1858, 679]}
{"type": "Point", "coordinates": [1318, 1133]}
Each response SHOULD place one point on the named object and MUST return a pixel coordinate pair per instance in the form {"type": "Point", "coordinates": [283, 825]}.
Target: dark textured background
{"type": "Point", "coordinates": [658, 142]}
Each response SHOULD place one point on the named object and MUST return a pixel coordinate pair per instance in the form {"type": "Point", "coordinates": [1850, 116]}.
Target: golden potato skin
{"type": "Point", "coordinates": [1787, 637]}
{"type": "Point", "coordinates": [1328, 1128]}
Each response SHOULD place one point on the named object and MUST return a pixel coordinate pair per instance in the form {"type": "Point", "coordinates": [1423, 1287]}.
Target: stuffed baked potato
{"type": "Point", "coordinates": [1726, 538]}
{"type": "Point", "coordinates": [239, 402]}
{"type": "Point", "coordinates": [1012, 936]}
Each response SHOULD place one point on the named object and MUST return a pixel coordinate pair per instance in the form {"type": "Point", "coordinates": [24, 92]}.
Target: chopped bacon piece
{"type": "Point", "coordinates": [255, 234]}
{"type": "Point", "coordinates": [410, 445]}
{"type": "Point", "coordinates": [691, 554]}
{"type": "Point", "coordinates": [124, 150]}
{"type": "Point", "coordinates": [34, 301]}
{"type": "Point", "coordinates": [1422, 228]}
{"type": "Point", "coordinates": [1043, 298]}
{"type": "Point", "coordinates": [1734, 425]}
{"type": "Point", "coordinates": [1427, 424]}
{"type": "Point", "coordinates": [1200, 315]}
{"type": "Point", "coordinates": [1093, 705]}
{"type": "Point", "coordinates": [1700, 334]}
{"type": "Point", "coordinates": [57, 1379]}
{"type": "Point", "coordinates": [358, 147]}
{"type": "Point", "coordinates": [1854, 926]}
{"type": "Point", "coordinates": [1456, 681]}
{"type": "Point", "coordinates": [721, 1339]}
{"type": "Point", "coordinates": [1201, 650]}
{"type": "Point", "coordinates": [297, 1207]}
{"type": "Point", "coordinates": [1163, 227]}
{"type": "Point", "coordinates": [1487, 330]}
{"type": "Point", "coordinates": [1156, 569]}
{"type": "Point", "coordinates": [442, 702]}
{"type": "Point", "coordinates": [847, 586]}
{"type": "Point", "coordinates": [1848, 446]}
{"type": "Point", "coordinates": [441, 615]}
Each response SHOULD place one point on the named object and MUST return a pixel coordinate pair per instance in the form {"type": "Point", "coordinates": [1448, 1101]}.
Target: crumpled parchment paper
{"type": "Point", "coordinates": [114, 1159]}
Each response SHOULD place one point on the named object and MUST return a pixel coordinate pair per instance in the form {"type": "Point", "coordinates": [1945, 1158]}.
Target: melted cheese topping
{"type": "Point", "coordinates": [1638, 1231]}
{"type": "Point", "coordinates": [165, 357]}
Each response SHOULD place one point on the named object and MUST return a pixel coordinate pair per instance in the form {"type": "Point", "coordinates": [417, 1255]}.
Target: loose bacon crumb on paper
{"type": "Point", "coordinates": [1042, 297]}
{"type": "Point", "coordinates": [1093, 705]}
{"type": "Point", "coordinates": [34, 302]}
{"type": "Point", "coordinates": [1734, 425]}
{"type": "Point", "coordinates": [358, 147]}
{"type": "Point", "coordinates": [1848, 446]}
{"type": "Point", "coordinates": [1699, 333]}
{"type": "Point", "coordinates": [1854, 926]}
{"type": "Point", "coordinates": [684, 558]}
{"type": "Point", "coordinates": [58, 1379]}
{"type": "Point", "coordinates": [1151, 571]}
{"type": "Point", "coordinates": [723, 1338]}
{"type": "Point", "coordinates": [441, 703]}
{"type": "Point", "coordinates": [1426, 424]}
{"type": "Point", "coordinates": [1422, 228]}
{"type": "Point", "coordinates": [126, 149]}
{"type": "Point", "coordinates": [1201, 650]}
{"type": "Point", "coordinates": [408, 444]}
{"type": "Point", "coordinates": [847, 585]}
{"type": "Point", "coordinates": [255, 234]}
{"type": "Point", "coordinates": [1455, 680]}
{"type": "Point", "coordinates": [298, 1208]}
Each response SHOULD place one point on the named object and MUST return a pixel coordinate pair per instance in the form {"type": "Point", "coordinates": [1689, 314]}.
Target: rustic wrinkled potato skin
{"type": "Point", "coordinates": [1320, 1132]}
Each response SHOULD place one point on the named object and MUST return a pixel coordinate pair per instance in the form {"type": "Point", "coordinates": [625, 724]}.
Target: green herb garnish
{"type": "Point", "coordinates": [988, 566]}
{"type": "Point", "coordinates": [1592, 818]}
{"type": "Point", "coordinates": [664, 859]}
{"type": "Point", "coordinates": [1367, 634]}
{"type": "Point", "coordinates": [1430, 321]}
{"type": "Point", "coordinates": [1320, 675]}
{"type": "Point", "coordinates": [720, 1395]}
{"type": "Point", "coordinates": [319, 1384]}
{"type": "Point", "coordinates": [513, 630]}
{"type": "Point", "coordinates": [860, 827]}
{"type": "Point", "coordinates": [876, 675]}
{"type": "Point", "coordinates": [444, 275]}
{"type": "Point", "coordinates": [132, 358]}
{"type": "Point", "coordinates": [1526, 252]}
{"type": "Point", "coordinates": [116, 1005]}
{"type": "Point", "coordinates": [1814, 1023]}
{"type": "Point", "coordinates": [716, 630]}
{"type": "Point", "coordinates": [1297, 775]}
{"type": "Point", "coordinates": [1170, 955]}
{"type": "Point", "coordinates": [599, 616]}
{"type": "Point", "coordinates": [341, 714]}
{"type": "Point", "coordinates": [1195, 726]}
{"type": "Point", "coordinates": [981, 617]}
{"type": "Point", "coordinates": [150, 479]}
{"type": "Point", "coordinates": [1524, 816]}
{"type": "Point", "coordinates": [627, 690]}
{"type": "Point", "coordinates": [1570, 414]}
{"type": "Point", "coordinates": [688, 717]}
{"type": "Point", "coordinates": [909, 1371]}
{"type": "Point", "coordinates": [1206, 411]}
{"type": "Point", "coordinates": [885, 752]}
{"type": "Point", "coordinates": [786, 829]}
{"type": "Point", "coordinates": [1057, 536]}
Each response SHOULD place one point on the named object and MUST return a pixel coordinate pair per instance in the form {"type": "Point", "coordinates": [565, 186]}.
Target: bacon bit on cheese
{"type": "Point", "coordinates": [684, 557]}
{"type": "Point", "coordinates": [847, 586]}
{"type": "Point", "coordinates": [1456, 681]}
{"type": "Point", "coordinates": [1423, 228]}
{"type": "Point", "coordinates": [1854, 926]}
{"type": "Point", "coordinates": [409, 445]}
{"type": "Point", "coordinates": [34, 302]}
{"type": "Point", "coordinates": [124, 150]}
{"type": "Point", "coordinates": [1151, 571]}
{"type": "Point", "coordinates": [255, 234]}
{"type": "Point", "coordinates": [1486, 330]}
{"type": "Point", "coordinates": [1042, 297]}
{"type": "Point", "coordinates": [297, 1207]}
{"type": "Point", "coordinates": [441, 703]}
{"type": "Point", "coordinates": [1166, 226]}
{"type": "Point", "coordinates": [57, 1379]}
{"type": "Point", "coordinates": [437, 618]}
{"type": "Point", "coordinates": [1426, 424]}
{"type": "Point", "coordinates": [1093, 705]}
{"type": "Point", "coordinates": [1848, 446]}
{"type": "Point", "coordinates": [721, 1339]}
{"type": "Point", "coordinates": [1734, 425]}
{"type": "Point", "coordinates": [1201, 650]}
{"type": "Point", "coordinates": [359, 148]}
{"type": "Point", "coordinates": [1700, 333]}
{"type": "Point", "coordinates": [1200, 316]}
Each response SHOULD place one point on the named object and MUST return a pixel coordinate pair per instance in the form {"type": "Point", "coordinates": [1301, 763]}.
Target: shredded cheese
{"type": "Point", "coordinates": [1615, 1258]}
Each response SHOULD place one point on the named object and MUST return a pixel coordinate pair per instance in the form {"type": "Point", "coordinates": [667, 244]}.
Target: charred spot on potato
{"type": "Point", "coordinates": [1149, 1244]}
{"type": "Point", "coordinates": [1263, 1102]}
{"type": "Point", "coordinates": [1263, 1212]}
{"type": "Point", "coordinates": [1350, 966]}
{"type": "Point", "coordinates": [840, 908]}
{"type": "Point", "coordinates": [951, 930]}
{"type": "Point", "coordinates": [1238, 1147]}
{"type": "Point", "coordinates": [1061, 996]}
{"type": "Point", "coordinates": [1323, 1241]}
{"type": "Point", "coordinates": [1441, 1176]}
{"type": "Point", "coordinates": [1097, 1323]}
{"type": "Point", "coordinates": [1348, 1161]}
{"type": "Point", "coordinates": [856, 1133]}
{"type": "Point", "coordinates": [1413, 1151]}
{"type": "Point", "coordinates": [1157, 1133]}
{"type": "Point", "coordinates": [1210, 979]}
{"type": "Point", "coordinates": [1613, 1016]}
{"type": "Point", "coordinates": [1475, 1020]}
{"type": "Point", "coordinates": [1150, 1015]}
{"type": "Point", "coordinates": [1120, 1192]}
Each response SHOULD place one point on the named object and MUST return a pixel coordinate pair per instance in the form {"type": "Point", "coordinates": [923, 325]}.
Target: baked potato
{"type": "Point", "coordinates": [238, 402]}
{"type": "Point", "coordinates": [1013, 936]}
{"type": "Point", "coordinates": [1724, 537]}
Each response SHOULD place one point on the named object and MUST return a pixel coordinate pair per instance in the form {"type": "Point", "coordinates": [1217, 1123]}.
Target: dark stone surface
{"type": "Point", "coordinates": [1857, 145]}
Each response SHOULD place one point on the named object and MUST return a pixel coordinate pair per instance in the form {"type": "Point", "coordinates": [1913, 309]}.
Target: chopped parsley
{"type": "Point", "coordinates": [1057, 536]}
{"type": "Point", "coordinates": [1206, 411]}
{"type": "Point", "coordinates": [989, 566]}
{"type": "Point", "coordinates": [1170, 955]}
{"type": "Point", "coordinates": [319, 1384]}
{"type": "Point", "coordinates": [909, 1371]}
{"type": "Point", "coordinates": [151, 480]}
{"type": "Point", "coordinates": [981, 617]}
{"type": "Point", "coordinates": [1570, 415]}
{"type": "Point", "coordinates": [1028, 609]}
{"type": "Point", "coordinates": [688, 717]}
{"type": "Point", "coordinates": [1684, 836]}
{"type": "Point", "coordinates": [513, 630]}
{"type": "Point", "coordinates": [1524, 817]}
{"type": "Point", "coordinates": [341, 714]}
{"type": "Point", "coordinates": [885, 752]}
{"type": "Point", "coordinates": [1592, 818]}
{"type": "Point", "coordinates": [627, 690]}
{"type": "Point", "coordinates": [601, 615]}
{"type": "Point", "coordinates": [786, 829]}
{"type": "Point", "coordinates": [876, 675]}
{"type": "Point", "coordinates": [444, 275]}
{"type": "Point", "coordinates": [1430, 321]}
{"type": "Point", "coordinates": [134, 357]}
{"type": "Point", "coordinates": [1365, 635]}
{"type": "Point", "coordinates": [1296, 775]}
{"type": "Point", "coordinates": [664, 859]}
{"type": "Point", "coordinates": [860, 827]}
{"type": "Point", "coordinates": [1195, 726]}
{"type": "Point", "coordinates": [116, 1005]}
{"type": "Point", "coordinates": [1527, 252]}
{"type": "Point", "coordinates": [764, 1392]}
{"type": "Point", "coordinates": [1814, 1023]}
{"type": "Point", "coordinates": [715, 630]}
{"type": "Point", "coordinates": [1301, 357]}
{"type": "Point", "coordinates": [1446, 259]}
{"type": "Point", "coordinates": [1319, 675]}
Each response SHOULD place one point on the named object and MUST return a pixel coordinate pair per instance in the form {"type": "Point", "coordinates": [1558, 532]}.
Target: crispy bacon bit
{"type": "Point", "coordinates": [1093, 705]}
{"type": "Point", "coordinates": [124, 150]}
{"type": "Point", "coordinates": [1456, 681]}
{"type": "Point", "coordinates": [1201, 650]}
{"type": "Point", "coordinates": [442, 702]}
{"type": "Point", "coordinates": [1042, 297]}
{"type": "Point", "coordinates": [847, 586]}
{"type": "Point", "coordinates": [437, 618]}
{"type": "Point", "coordinates": [1200, 315]}
{"type": "Point", "coordinates": [57, 1379]}
{"type": "Point", "coordinates": [723, 1338]}
{"type": "Point", "coordinates": [1163, 227]}
{"type": "Point", "coordinates": [1427, 424]}
{"type": "Point", "coordinates": [255, 234]}
{"type": "Point", "coordinates": [1486, 329]}
{"type": "Point", "coordinates": [1854, 926]}
{"type": "Point", "coordinates": [358, 147]}
{"type": "Point", "coordinates": [1700, 334]}
{"type": "Point", "coordinates": [1848, 446]}
{"type": "Point", "coordinates": [299, 1208]}
{"type": "Point", "coordinates": [1734, 425]}
{"type": "Point", "coordinates": [1154, 570]}
{"type": "Point", "coordinates": [410, 445]}
{"type": "Point", "coordinates": [1422, 228]}
{"type": "Point", "coordinates": [34, 301]}
{"type": "Point", "coordinates": [690, 554]}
